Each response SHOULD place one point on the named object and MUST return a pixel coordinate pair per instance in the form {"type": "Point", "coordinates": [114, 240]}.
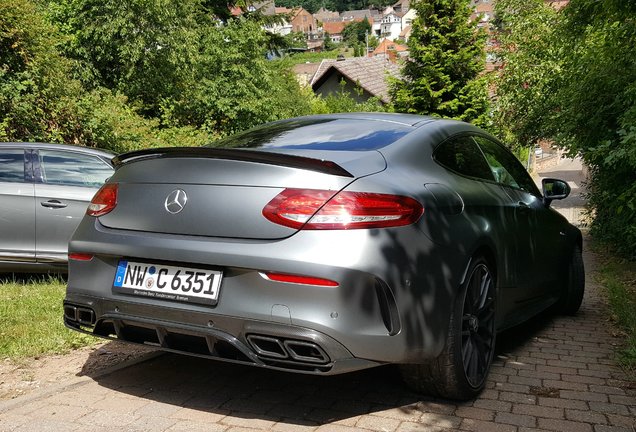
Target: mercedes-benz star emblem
{"type": "Point", "coordinates": [176, 201]}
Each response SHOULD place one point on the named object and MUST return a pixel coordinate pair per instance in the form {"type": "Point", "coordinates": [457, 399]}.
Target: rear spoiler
{"type": "Point", "coordinates": [291, 161]}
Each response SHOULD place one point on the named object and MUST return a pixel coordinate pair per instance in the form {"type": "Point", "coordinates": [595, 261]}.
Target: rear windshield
{"type": "Point", "coordinates": [318, 134]}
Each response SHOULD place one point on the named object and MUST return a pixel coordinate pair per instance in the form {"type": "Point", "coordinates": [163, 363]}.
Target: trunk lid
{"type": "Point", "coordinates": [222, 193]}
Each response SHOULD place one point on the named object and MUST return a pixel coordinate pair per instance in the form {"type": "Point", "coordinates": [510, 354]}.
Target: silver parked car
{"type": "Point", "coordinates": [327, 244]}
{"type": "Point", "coordinates": [44, 190]}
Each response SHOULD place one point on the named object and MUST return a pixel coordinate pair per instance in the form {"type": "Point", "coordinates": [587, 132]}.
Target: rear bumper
{"type": "Point", "coordinates": [391, 306]}
{"type": "Point", "coordinates": [236, 340]}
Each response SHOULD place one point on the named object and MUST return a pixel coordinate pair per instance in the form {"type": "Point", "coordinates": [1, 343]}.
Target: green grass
{"type": "Point", "coordinates": [619, 279]}
{"type": "Point", "coordinates": [31, 319]}
{"type": "Point", "coordinates": [316, 57]}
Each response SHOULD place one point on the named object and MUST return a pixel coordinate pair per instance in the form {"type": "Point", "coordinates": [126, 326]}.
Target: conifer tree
{"type": "Point", "coordinates": [441, 77]}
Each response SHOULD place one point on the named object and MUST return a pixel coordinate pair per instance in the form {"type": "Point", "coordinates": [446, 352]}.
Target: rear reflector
{"type": "Point", "coordinates": [104, 200]}
{"type": "Point", "coordinates": [80, 256]}
{"type": "Point", "coordinates": [296, 279]}
{"type": "Point", "coordinates": [312, 209]}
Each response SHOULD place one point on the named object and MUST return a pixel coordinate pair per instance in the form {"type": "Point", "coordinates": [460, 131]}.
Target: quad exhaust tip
{"type": "Point", "coordinates": [294, 350]}
{"type": "Point", "coordinates": [82, 315]}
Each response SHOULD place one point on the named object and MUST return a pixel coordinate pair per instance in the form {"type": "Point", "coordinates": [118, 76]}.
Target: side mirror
{"type": "Point", "coordinates": [554, 189]}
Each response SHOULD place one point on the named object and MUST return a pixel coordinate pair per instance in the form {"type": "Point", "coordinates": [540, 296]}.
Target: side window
{"type": "Point", "coordinates": [73, 169]}
{"type": "Point", "coordinates": [462, 155]}
{"type": "Point", "coordinates": [12, 165]}
{"type": "Point", "coordinates": [506, 169]}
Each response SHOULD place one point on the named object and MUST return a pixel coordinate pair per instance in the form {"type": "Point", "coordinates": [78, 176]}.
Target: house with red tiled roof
{"type": "Point", "coordinates": [334, 29]}
{"type": "Point", "coordinates": [390, 50]}
{"type": "Point", "coordinates": [363, 77]}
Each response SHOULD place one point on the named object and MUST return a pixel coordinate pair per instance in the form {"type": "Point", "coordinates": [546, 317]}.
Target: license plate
{"type": "Point", "coordinates": [184, 284]}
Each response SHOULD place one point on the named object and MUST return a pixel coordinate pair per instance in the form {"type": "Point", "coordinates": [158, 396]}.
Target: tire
{"type": "Point", "coordinates": [461, 369]}
{"type": "Point", "coordinates": [572, 296]}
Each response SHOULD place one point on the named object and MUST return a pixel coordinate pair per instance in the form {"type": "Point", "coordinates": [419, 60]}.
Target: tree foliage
{"type": "Point", "coordinates": [573, 81]}
{"type": "Point", "coordinates": [343, 101]}
{"type": "Point", "coordinates": [356, 32]}
{"type": "Point", "coordinates": [36, 99]}
{"type": "Point", "coordinates": [140, 73]}
{"type": "Point", "coordinates": [40, 101]}
{"type": "Point", "coordinates": [143, 49]}
{"type": "Point", "coordinates": [136, 73]}
{"type": "Point", "coordinates": [335, 5]}
{"type": "Point", "coordinates": [523, 90]}
{"type": "Point", "coordinates": [441, 75]}
{"type": "Point", "coordinates": [234, 86]}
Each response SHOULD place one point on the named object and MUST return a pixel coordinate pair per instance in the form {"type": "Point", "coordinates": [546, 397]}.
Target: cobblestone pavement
{"type": "Point", "coordinates": [551, 374]}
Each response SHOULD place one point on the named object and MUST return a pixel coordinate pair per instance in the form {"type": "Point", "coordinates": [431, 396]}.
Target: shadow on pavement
{"type": "Point", "coordinates": [178, 381]}
{"type": "Point", "coordinates": [254, 393]}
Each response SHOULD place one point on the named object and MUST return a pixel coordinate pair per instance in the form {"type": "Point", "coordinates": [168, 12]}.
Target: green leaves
{"type": "Point", "coordinates": [136, 73]}
{"type": "Point", "coordinates": [446, 57]}
{"type": "Point", "coordinates": [356, 32]}
{"type": "Point", "coordinates": [570, 77]}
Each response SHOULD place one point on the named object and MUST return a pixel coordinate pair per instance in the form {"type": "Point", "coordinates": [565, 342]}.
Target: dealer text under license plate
{"type": "Point", "coordinates": [168, 282]}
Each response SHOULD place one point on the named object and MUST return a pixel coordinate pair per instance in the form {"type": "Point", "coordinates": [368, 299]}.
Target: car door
{"type": "Point", "coordinates": [17, 205]}
{"type": "Point", "coordinates": [486, 205]}
{"type": "Point", "coordinates": [66, 182]}
{"type": "Point", "coordinates": [537, 268]}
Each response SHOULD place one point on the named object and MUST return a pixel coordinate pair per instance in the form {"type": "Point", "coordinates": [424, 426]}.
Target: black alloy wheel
{"type": "Point", "coordinates": [478, 325]}
{"type": "Point", "coordinates": [461, 369]}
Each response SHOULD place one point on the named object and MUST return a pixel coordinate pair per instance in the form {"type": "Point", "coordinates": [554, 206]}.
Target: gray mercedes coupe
{"type": "Point", "coordinates": [327, 244]}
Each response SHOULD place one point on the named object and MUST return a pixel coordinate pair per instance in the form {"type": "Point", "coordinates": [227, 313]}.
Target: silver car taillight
{"type": "Point", "coordinates": [104, 201]}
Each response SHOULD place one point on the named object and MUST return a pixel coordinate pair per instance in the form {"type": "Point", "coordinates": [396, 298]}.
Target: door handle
{"type": "Point", "coordinates": [523, 207]}
{"type": "Point", "coordinates": [53, 204]}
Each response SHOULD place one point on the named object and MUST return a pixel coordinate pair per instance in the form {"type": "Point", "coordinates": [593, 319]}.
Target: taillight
{"type": "Point", "coordinates": [104, 200]}
{"type": "Point", "coordinates": [298, 279]}
{"type": "Point", "coordinates": [80, 256]}
{"type": "Point", "coordinates": [319, 209]}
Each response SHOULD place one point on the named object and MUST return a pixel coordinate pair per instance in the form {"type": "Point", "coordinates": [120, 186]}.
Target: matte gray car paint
{"type": "Point", "coordinates": [397, 285]}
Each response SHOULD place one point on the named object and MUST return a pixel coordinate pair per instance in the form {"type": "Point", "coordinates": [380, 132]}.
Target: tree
{"type": "Point", "coordinates": [143, 49]}
{"type": "Point", "coordinates": [177, 64]}
{"type": "Point", "coordinates": [37, 100]}
{"type": "Point", "coordinates": [40, 101]}
{"type": "Point", "coordinates": [344, 101]}
{"type": "Point", "coordinates": [446, 57]}
{"type": "Point", "coordinates": [570, 77]}
{"type": "Point", "coordinates": [356, 32]}
{"type": "Point", "coordinates": [328, 43]}
{"type": "Point", "coordinates": [233, 85]}
{"type": "Point", "coordinates": [296, 40]}
{"type": "Point", "coordinates": [530, 53]}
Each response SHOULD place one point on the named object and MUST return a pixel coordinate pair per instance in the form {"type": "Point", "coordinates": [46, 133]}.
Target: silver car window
{"type": "Point", "coordinates": [73, 169]}
{"type": "Point", "coordinates": [12, 165]}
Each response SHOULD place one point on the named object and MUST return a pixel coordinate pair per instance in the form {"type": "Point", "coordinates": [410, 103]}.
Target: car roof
{"type": "Point", "coordinates": [404, 119]}
{"type": "Point", "coordinates": [54, 146]}
{"type": "Point", "coordinates": [340, 132]}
